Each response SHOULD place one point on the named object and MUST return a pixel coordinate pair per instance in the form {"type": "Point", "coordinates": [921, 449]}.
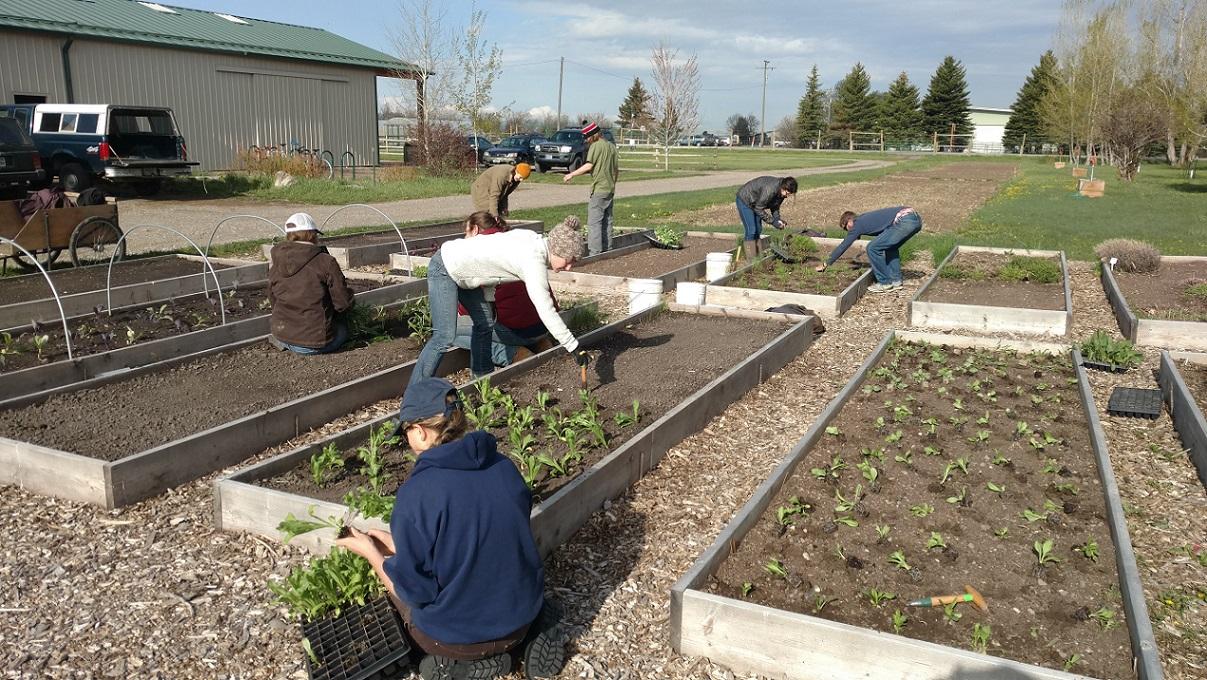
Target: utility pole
{"type": "Point", "coordinates": [561, 71]}
{"type": "Point", "coordinates": [763, 120]}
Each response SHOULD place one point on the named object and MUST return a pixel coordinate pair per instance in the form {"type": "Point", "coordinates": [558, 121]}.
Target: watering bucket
{"type": "Point", "coordinates": [717, 265]}
{"type": "Point", "coordinates": [643, 294]}
{"type": "Point", "coordinates": [689, 293]}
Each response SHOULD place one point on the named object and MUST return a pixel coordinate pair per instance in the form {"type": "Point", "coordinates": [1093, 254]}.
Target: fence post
{"type": "Point", "coordinates": [934, 146]}
{"type": "Point", "coordinates": [882, 141]}
{"type": "Point", "coordinates": [819, 139]}
{"type": "Point", "coordinates": [850, 140]}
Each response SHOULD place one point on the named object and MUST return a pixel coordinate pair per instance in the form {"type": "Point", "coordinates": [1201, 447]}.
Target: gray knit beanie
{"type": "Point", "coordinates": [565, 240]}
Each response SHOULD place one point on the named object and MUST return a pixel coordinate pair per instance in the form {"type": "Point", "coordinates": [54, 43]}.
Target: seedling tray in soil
{"type": "Point", "coordinates": [771, 282]}
{"type": "Point", "coordinates": [124, 441]}
{"type": "Point", "coordinates": [971, 290]}
{"type": "Point", "coordinates": [1105, 367]}
{"type": "Point", "coordinates": [1183, 380]}
{"type": "Point", "coordinates": [682, 368]}
{"type": "Point", "coordinates": [102, 349]}
{"type": "Point", "coordinates": [1159, 309]}
{"type": "Point", "coordinates": [786, 589]}
{"type": "Point", "coordinates": [363, 642]}
{"type": "Point", "coordinates": [134, 282]}
{"type": "Point", "coordinates": [1131, 402]}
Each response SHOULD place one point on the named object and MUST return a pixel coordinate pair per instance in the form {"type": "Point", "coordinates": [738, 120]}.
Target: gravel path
{"type": "Point", "coordinates": [155, 591]}
{"type": "Point", "coordinates": [197, 218]}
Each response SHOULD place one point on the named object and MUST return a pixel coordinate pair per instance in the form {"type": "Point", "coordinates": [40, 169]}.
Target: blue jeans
{"type": "Point", "coordinates": [341, 336]}
{"type": "Point", "coordinates": [884, 251]}
{"type": "Point", "coordinates": [506, 341]}
{"type": "Point", "coordinates": [443, 294]}
{"type": "Point", "coordinates": [752, 223]}
{"type": "Point", "coordinates": [599, 223]}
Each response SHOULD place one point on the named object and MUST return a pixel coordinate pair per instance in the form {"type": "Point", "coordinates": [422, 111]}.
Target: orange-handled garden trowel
{"type": "Point", "coordinates": [970, 595]}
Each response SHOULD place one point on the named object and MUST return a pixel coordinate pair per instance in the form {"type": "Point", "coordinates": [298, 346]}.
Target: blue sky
{"type": "Point", "coordinates": [606, 44]}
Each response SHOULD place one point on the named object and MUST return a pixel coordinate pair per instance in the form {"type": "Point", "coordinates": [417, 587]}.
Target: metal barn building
{"type": "Point", "coordinates": [233, 82]}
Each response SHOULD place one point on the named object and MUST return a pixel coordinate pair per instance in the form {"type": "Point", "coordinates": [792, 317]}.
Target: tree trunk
{"type": "Point", "coordinates": [1171, 147]}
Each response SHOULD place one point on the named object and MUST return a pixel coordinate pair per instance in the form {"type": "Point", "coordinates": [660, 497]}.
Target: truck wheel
{"type": "Point", "coordinates": [74, 177]}
{"type": "Point", "coordinates": [576, 163]}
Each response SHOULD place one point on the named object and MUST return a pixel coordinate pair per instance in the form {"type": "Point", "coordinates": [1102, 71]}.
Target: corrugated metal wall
{"type": "Point", "coordinates": [222, 102]}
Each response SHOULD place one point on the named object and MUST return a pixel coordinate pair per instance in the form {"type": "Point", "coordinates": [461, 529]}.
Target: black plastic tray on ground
{"type": "Point", "coordinates": [1132, 402]}
{"type": "Point", "coordinates": [1102, 366]}
{"type": "Point", "coordinates": [361, 643]}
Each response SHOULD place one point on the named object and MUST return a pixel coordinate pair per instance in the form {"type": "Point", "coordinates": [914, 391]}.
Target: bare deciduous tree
{"type": "Point", "coordinates": [1135, 120]}
{"type": "Point", "coordinates": [675, 104]}
{"type": "Point", "coordinates": [423, 40]}
{"type": "Point", "coordinates": [478, 64]}
{"type": "Point", "coordinates": [1173, 37]}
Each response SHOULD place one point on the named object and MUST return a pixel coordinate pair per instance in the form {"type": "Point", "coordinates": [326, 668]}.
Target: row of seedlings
{"type": "Point", "coordinates": [967, 469]}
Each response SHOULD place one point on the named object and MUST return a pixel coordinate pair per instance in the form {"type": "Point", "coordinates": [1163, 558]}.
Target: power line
{"type": "Point", "coordinates": [598, 70]}
{"type": "Point", "coordinates": [531, 63]}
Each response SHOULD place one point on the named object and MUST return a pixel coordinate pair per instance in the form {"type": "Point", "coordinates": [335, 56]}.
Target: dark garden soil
{"type": "Point", "coordinates": [124, 418]}
{"type": "Point", "coordinates": [84, 279]}
{"type": "Point", "coordinates": [659, 363]}
{"type": "Point", "coordinates": [1164, 294]}
{"type": "Point", "coordinates": [391, 236]}
{"type": "Point", "coordinates": [1037, 615]}
{"type": "Point", "coordinates": [774, 274]}
{"type": "Point", "coordinates": [978, 284]}
{"type": "Point", "coordinates": [102, 333]}
{"type": "Point", "coordinates": [1195, 376]}
{"type": "Point", "coordinates": [653, 262]}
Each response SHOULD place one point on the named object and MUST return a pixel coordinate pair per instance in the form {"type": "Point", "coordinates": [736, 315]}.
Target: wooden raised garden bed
{"type": "Point", "coordinates": [1183, 380]}
{"type": "Point", "coordinates": [771, 282]}
{"type": "Point", "coordinates": [138, 339]}
{"type": "Point", "coordinates": [682, 369]}
{"type": "Point", "coordinates": [360, 250]}
{"type": "Point", "coordinates": [1165, 309]}
{"type": "Point", "coordinates": [126, 440]}
{"type": "Point", "coordinates": [997, 289]}
{"type": "Point", "coordinates": [808, 578]}
{"type": "Point", "coordinates": [134, 282]}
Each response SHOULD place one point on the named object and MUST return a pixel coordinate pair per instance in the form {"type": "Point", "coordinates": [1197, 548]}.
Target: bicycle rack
{"type": "Point", "coordinates": [402, 240]}
{"type": "Point", "coordinates": [53, 291]}
{"type": "Point", "coordinates": [204, 258]}
{"type": "Point", "coordinates": [342, 165]}
{"type": "Point", "coordinates": [328, 158]}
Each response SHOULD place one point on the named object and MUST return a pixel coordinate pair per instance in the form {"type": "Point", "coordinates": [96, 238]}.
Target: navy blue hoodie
{"type": "Point", "coordinates": [466, 562]}
{"type": "Point", "coordinates": [870, 223]}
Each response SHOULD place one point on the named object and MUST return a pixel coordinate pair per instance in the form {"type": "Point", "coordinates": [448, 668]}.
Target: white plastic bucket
{"type": "Point", "coordinates": [717, 265]}
{"type": "Point", "coordinates": [643, 294]}
{"type": "Point", "coordinates": [689, 293]}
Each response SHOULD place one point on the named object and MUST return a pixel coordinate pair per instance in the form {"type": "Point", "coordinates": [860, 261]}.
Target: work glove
{"type": "Point", "coordinates": [582, 358]}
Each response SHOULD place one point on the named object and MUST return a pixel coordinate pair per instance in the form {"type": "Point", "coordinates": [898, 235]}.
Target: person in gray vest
{"type": "Point", "coordinates": [758, 202]}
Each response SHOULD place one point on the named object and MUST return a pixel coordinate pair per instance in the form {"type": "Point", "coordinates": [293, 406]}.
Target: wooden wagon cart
{"type": "Point", "coordinates": [90, 234]}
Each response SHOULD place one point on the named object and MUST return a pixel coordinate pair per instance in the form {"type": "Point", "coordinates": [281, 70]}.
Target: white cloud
{"type": "Point", "coordinates": [543, 111]}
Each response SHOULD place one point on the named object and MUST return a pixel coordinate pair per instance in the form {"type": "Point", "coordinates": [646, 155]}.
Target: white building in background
{"type": "Point", "coordinates": [988, 128]}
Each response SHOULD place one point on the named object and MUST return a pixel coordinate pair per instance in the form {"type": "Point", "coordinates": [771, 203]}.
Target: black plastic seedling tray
{"type": "Point", "coordinates": [359, 644]}
{"type": "Point", "coordinates": [660, 244]}
{"type": "Point", "coordinates": [1132, 402]}
{"type": "Point", "coordinates": [1100, 366]}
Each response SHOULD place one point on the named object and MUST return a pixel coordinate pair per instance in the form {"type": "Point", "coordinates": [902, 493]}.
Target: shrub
{"type": "Point", "coordinates": [397, 173]}
{"type": "Point", "coordinates": [447, 152]}
{"type": "Point", "coordinates": [1133, 256]}
{"type": "Point", "coordinates": [297, 165]}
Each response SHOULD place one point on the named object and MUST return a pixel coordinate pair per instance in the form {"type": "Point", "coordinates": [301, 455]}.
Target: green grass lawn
{"type": "Point", "coordinates": [742, 158]}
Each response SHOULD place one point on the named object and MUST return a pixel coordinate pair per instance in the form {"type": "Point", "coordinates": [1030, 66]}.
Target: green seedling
{"type": "Point", "coordinates": [1066, 487]}
{"type": "Point", "coordinates": [1032, 516]}
{"type": "Point", "coordinates": [820, 601]}
{"type": "Point", "coordinates": [1105, 618]}
{"type": "Point", "coordinates": [932, 426]}
{"type": "Point", "coordinates": [314, 659]}
{"type": "Point", "coordinates": [8, 347]}
{"type": "Point", "coordinates": [848, 504]}
{"type": "Point", "coordinates": [980, 637]}
{"type": "Point", "coordinates": [132, 337]}
{"type": "Point", "coordinates": [947, 470]}
{"type": "Point", "coordinates": [921, 510]}
{"type": "Point", "coordinates": [894, 437]}
{"type": "Point", "coordinates": [899, 621]}
{"type": "Point", "coordinates": [775, 568]}
{"type": "Point", "coordinates": [879, 424]}
{"type": "Point", "coordinates": [846, 521]}
{"type": "Point", "coordinates": [1050, 467]}
{"type": "Point", "coordinates": [785, 513]}
{"type": "Point", "coordinates": [878, 454]}
{"type": "Point", "coordinates": [983, 420]}
{"type": "Point", "coordinates": [1102, 348]}
{"type": "Point", "coordinates": [840, 553]}
{"type": "Point", "coordinates": [372, 456]}
{"type": "Point", "coordinates": [291, 526]}
{"type": "Point", "coordinates": [558, 467]}
{"type": "Point", "coordinates": [900, 413]}
{"type": "Point", "coordinates": [40, 342]}
{"type": "Point", "coordinates": [897, 559]}
{"type": "Point", "coordinates": [962, 463]}
{"type": "Point", "coordinates": [870, 473]}
{"type": "Point", "coordinates": [960, 498]}
{"type": "Point", "coordinates": [1022, 429]}
{"type": "Point", "coordinates": [1088, 550]}
{"type": "Point", "coordinates": [878, 597]}
{"type": "Point", "coordinates": [980, 437]}
{"type": "Point", "coordinates": [950, 614]}
{"type": "Point", "coordinates": [932, 451]}
{"type": "Point", "coordinates": [326, 460]}
{"type": "Point", "coordinates": [747, 588]}
{"type": "Point", "coordinates": [630, 418]}
{"type": "Point", "coordinates": [958, 404]}
{"type": "Point", "coordinates": [327, 585]}
{"type": "Point", "coordinates": [1043, 552]}
{"type": "Point", "coordinates": [999, 459]}
{"type": "Point", "coordinates": [1002, 533]}
{"type": "Point", "coordinates": [1071, 661]}
{"type": "Point", "coordinates": [542, 400]}
{"type": "Point", "coordinates": [906, 457]}
{"type": "Point", "coordinates": [370, 504]}
{"type": "Point", "coordinates": [998, 489]}
{"type": "Point", "coordinates": [958, 421]}
{"type": "Point", "coordinates": [990, 396]}
{"type": "Point", "coordinates": [882, 531]}
{"type": "Point", "coordinates": [833, 431]}
{"type": "Point", "coordinates": [936, 541]}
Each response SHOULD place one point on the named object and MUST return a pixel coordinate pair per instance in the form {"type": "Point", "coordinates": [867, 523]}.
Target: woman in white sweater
{"type": "Point", "coordinates": [463, 268]}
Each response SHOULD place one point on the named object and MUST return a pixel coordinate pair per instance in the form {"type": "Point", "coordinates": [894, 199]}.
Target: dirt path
{"type": "Point", "coordinates": [197, 218]}
{"type": "Point", "coordinates": [156, 591]}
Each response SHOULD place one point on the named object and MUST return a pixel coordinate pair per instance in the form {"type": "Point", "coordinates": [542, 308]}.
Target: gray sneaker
{"type": "Point", "coordinates": [881, 287]}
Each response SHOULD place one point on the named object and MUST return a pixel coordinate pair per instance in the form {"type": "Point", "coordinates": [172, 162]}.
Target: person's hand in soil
{"type": "Point", "coordinates": [362, 544]}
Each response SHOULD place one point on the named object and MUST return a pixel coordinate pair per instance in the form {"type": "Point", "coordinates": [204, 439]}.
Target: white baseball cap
{"type": "Point", "coordinates": [300, 222]}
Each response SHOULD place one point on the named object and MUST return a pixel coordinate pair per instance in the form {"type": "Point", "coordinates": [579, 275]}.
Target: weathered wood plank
{"type": "Point", "coordinates": [1127, 320]}
{"type": "Point", "coordinates": [43, 470]}
{"type": "Point", "coordinates": [1187, 418]}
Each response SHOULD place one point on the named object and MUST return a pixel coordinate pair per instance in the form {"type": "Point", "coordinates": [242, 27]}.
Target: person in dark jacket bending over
{"type": "Point", "coordinates": [460, 562]}
{"type": "Point", "coordinates": [891, 227]}
{"type": "Point", "coordinates": [759, 201]}
{"type": "Point", "coordinates": [307, 291]}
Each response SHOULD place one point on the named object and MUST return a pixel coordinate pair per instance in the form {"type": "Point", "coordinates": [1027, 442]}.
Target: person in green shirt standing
{"type": "Point", "coordinates": [604, 169]}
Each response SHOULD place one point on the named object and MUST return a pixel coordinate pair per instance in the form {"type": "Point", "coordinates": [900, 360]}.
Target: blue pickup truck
{"type": "Point", "coordinates": [139, 146]}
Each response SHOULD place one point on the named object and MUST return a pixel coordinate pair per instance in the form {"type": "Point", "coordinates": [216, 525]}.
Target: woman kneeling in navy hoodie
{"type": "Point", "coordinates": [460, 562]}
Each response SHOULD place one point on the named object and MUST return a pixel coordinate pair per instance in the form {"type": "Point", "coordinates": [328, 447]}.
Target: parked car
{"type": "Point", "coordinates": [514, 149]}
{"type": "Point", "coordinates": [20, 163]}
{"type": "Point", "coordinates": [479, 145]}
{"type": "Point", "coordinates": [81, 143]}
{"type": "Point", "coordinates": [566, 149]}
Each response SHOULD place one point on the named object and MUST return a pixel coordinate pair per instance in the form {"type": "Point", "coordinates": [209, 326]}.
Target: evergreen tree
{"type": "Point", "coordinates": [946, 101]}
{"type": "Point", "coordinates": [635, 109]}
{"type": "Point", "coordinates": [900, 115]}
{"type": "Point", "coordinates": [1025, 118]}
{"type": "Point", "coordinates": [853, 108]}
{"type": "Point", "coordinates": [811, 112]}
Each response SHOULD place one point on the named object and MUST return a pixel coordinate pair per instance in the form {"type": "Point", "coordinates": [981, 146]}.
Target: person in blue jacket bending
{"type": "Point", "coordinates": [891, 227]}
{"type": "Point", "coordinates": [460, 562]}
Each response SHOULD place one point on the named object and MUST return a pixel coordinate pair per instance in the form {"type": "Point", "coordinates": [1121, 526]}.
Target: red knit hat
{"type": "Point", "coordinates": [590, 129]}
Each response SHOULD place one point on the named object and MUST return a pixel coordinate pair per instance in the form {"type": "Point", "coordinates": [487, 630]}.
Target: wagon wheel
{"type": "Point", "coordinates": [44, 257]}
{"type": "Point", "coordinates": [94, 240]}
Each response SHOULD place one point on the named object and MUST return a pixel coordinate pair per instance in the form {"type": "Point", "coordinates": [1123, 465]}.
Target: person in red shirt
{"type": "Point", "coordinates": [517, 323]}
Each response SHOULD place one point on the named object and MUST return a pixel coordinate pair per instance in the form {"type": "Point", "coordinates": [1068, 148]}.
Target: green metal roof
{"type": "Point", "coordinates": [133, 21]}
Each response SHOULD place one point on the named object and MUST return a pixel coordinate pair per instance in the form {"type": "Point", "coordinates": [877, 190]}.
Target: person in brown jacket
{"type": "Point", "coordinates": [307, 291]}
{"type": "Point", "coordinates": [491, 189]}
